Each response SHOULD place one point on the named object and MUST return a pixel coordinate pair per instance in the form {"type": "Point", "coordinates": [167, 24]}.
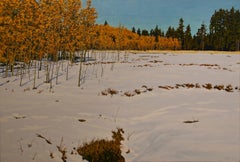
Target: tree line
{"type": "Point", "coordinates": [223, 33]}
{"type": "Point", "coordinates": [121, 38]}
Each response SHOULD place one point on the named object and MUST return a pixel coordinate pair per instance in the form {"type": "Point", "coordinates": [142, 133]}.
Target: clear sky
{"type": "Point", "coordinates": [146, 14]}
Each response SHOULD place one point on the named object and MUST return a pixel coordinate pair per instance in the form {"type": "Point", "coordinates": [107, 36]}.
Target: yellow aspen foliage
{"type": "Point", "coordinates": [113, 38]}
{"type": "Point", "coordinates": [31, 29]}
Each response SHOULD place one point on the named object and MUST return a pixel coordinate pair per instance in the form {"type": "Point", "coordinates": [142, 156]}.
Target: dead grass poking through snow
{"type": "Point", "coordinates": [103, 150]}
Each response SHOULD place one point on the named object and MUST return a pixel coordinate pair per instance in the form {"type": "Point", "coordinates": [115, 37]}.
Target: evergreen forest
{"type": "Point", "coordinates": [223, 33]}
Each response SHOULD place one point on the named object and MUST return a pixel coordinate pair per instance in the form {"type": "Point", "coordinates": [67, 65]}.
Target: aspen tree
{"type": "Point", "coordinates": [8, 11]}
{"type": "Point", "coordinates": [88, 17]}
{"type": "Point", "coordinates": [71, 28]}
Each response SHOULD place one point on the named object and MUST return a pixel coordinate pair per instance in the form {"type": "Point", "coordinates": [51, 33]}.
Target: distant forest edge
{"type": "Point", "coordinates": [223, 35]}
{"type": "Point", "coordinates": [37, 29]}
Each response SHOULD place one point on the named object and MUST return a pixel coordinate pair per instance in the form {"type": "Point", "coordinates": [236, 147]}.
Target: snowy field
{"type": "Point", "coordinates": [168, 104]}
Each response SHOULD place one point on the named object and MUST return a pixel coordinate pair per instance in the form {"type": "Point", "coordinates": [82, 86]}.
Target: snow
{"type": "Point", "coordinates": [152, 121]}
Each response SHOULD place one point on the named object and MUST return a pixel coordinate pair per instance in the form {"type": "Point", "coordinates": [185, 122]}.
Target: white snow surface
{"type": "Point", "coordinates": [152, 121]}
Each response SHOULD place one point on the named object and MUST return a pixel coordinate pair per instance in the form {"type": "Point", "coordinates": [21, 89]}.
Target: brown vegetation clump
{"type": "Point", "coordinates": [137, 91]}
{"type": "Point", "coordinates": [197, 85]}
{"type": "Point", "coordinates": [209, 65]}
{"type": "Point", "coordinates": [104, 93]}
{"type": "Point", "coordinates": [177, 86]}
{"type": "Point", "coordinates": [207, 86]}
{"type": "Point", "coordinates": [103, 150]}
{"type": "Point", "coordinates": [145, 89]}
{"type": "Point", "coordinates": [112, 91]}
{"type": "Point", "coordinates": [150, 89]}
{"type": "Point", "coordinates": [229, 88]}
{"type": "Point", "coordinates": [109, 91]}
{"type": "Point", "coordinates": [190, 85]}
{"type": "Point", "coordinates": [145, 65]}
{"type": "Point", "coordinates": [63, 151]}
{"type": "Point", "coordinates": [156, 61]}
{"type": "Point", "coordinates": [219, 87]}
{"type": "Point", "coordinates": [166, 87]}
{"type": "Point", "coordinates": [190, 121]}
{"type": "Point", "coordinates": [144, 86]}
{"type": "Point", "coordinates": [129, 94]}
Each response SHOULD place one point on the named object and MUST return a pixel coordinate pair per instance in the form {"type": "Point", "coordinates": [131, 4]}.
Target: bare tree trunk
{"type": "Point", "coordinates": [58, 67]}
{"type": "Point", "coordinates": [51, 86]}
{"type": "Point", "coordinates": [57, 71]}
{"type": "Point", "coordinates": [102, 59]}
{"type": "Point", "coordinates": [67, 70]}
{"type": "Point", "coordinates": [48, 72]}
{"type": "Point", "coordinates": [237, 45]}
{"type": "Point", "coordinates": [6, 71]}
{"type": "Point", "coordinates": [21, 74]}
{"type": "Point", "coordinates": [29, 66]}
{"type": "Point", "coordinates": [35, 73]}
{"type": "Point", "coordinates": [63, 55]}
{"type": "Point", "coordinates": [80, 67]}
{"type": "Point", "coordinates": [12, 69]}
{"type": "Point", "coordinates": [39, 67]}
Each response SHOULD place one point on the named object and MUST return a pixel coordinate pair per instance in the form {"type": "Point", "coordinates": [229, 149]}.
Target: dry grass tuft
{"type": "Point", "coordinates": [109, 91]}
{"type": "Point", "coordinates": [229, 88]}
{"type": "Point", "coordinates": [197, 85]}
{"type": "Point", "coordinates": [103, 150]}
{"type": "Point", "coordinates": [166, 87]}
{"type": "Point", "coordinates": [219, 87]}
{"type": "Point", "coordinates": [63, 151]}
{"type": "Point", "coordinates": [137, 91]}
{"type": "Point", "coordinates": [207, 86]}
{"type": "Point", "coordinates": [129, 94]}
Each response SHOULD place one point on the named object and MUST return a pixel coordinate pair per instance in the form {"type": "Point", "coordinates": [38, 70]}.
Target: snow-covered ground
{"type": "Point", "coordinates": [153, 121]}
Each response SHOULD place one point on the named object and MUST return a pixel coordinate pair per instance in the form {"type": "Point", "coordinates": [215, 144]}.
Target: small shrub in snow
{"type": "Point", "coordinates": [137, 91]}
{"type": "Point", "coordinates": [229, 88]}
{"type": "Point", "coordinates": [129, 94]}
{"type": "Point", "coordinates": [103, 150]}
{"type": "Point", "coordinates": [109, 91]}
{"type": "Point", "coordinates": [208, 86]}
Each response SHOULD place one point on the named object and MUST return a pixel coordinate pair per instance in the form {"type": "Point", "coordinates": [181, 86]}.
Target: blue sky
{"type": "Point", "coordinates": [146, 14]}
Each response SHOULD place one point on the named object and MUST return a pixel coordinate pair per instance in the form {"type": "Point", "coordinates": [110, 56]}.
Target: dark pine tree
{"type": "Point", "coordinates": [133, 30]}
{"type": "Point", "coordinates": [201, 37]}
{"type": "Point", "coordinates": [188, 38]}
{"type": "Point", "coordinates": [171, 33]}
{"type": "Point", "coordinates": [180, 32]}
{"type": "Point", "coordinates": [105, 23]}
{"type": "Point", "coordinates": [145, 32]}
{"type": "Point", "coordinates": [139, 31]}
{"type": "Point", "coordinates": [225, 30]}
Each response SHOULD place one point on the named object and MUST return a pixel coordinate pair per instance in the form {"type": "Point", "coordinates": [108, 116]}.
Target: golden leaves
{"type": "Point", "coordinates": [107, 37]}
{"type": "Point", "coordinates": [43, 27]}
{"type": "Point", "coordinates": [31, 30]}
